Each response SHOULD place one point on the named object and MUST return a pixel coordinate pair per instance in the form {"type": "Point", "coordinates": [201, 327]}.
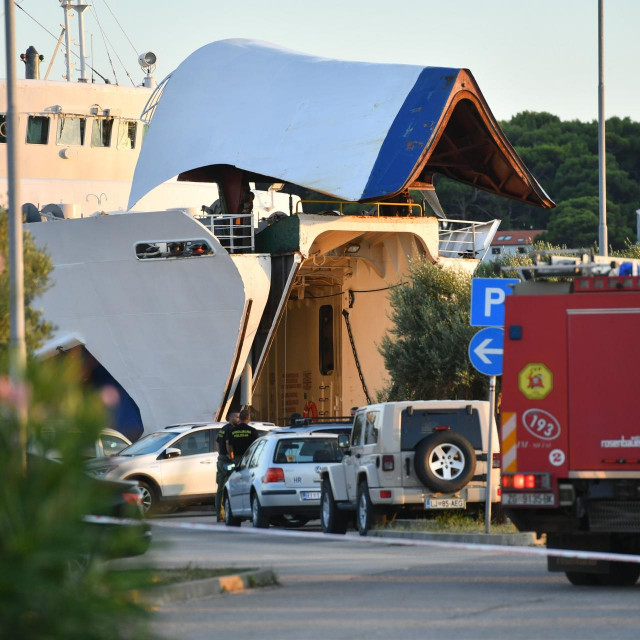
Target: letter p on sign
{"type": "Point", "coordinates": [492, 296]}
{"type": "Point", "coordinates": [487, 300]}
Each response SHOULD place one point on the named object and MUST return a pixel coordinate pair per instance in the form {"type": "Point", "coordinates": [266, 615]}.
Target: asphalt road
{"type": "Point", "coordinates": [347, 590]}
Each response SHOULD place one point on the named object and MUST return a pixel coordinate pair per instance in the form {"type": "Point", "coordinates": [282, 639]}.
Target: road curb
{"type": "Point", "coordinates": [526, 539]}
{"type": "Point", "coordinates": [206, 588]}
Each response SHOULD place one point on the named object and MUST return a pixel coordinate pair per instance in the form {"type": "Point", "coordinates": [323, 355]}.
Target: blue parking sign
{"type": "Point", "coordinates": [487, 300]}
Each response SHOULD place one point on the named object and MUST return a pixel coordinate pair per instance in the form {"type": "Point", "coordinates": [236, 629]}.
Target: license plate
{"type": "Point", "coordinates": [310, 495]}
{"type": "Point", "coordinates": [528, 499]}
{"type": "Point", "coordinates": [444, 503]}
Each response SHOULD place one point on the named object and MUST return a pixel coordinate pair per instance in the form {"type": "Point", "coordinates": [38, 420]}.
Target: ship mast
{"type": "Point", "coordinates": [79, 7]}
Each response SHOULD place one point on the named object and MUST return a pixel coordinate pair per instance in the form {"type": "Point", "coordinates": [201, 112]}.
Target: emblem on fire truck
{"type": "Point", "coordinates": [535, 381]}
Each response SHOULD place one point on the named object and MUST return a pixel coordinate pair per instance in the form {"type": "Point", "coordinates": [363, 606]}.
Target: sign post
{"type": "Point", "coordinates": [486, 349]}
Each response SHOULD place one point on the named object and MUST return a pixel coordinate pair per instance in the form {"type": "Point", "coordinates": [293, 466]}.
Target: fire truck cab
{"type": "Point", "coordinates": [570, 432]}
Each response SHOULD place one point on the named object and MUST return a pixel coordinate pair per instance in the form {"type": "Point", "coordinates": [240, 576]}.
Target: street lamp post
{"type": "Point", "coordinates": [602, 161]}
{"type": "Point", "coordinates": [17, 348]}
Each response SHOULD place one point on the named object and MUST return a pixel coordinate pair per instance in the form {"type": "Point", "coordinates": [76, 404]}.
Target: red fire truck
{"type": "Point", "coordinates": [570, 432]}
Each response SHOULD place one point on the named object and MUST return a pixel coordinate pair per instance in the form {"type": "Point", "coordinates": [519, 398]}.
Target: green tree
{"type": "Point", "coordinates": [37, 267]}
{"type": "Point", "coordinates": [563, 156]}
{"type": "Point", "coordinates": [425, 352]}
{"type": "Point", "coordinates": [575, 224]}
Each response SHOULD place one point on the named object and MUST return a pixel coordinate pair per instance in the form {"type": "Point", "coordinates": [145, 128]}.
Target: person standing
{"type": "Point", "coordinates": [223, 459]}
{"type": "Point", "coordinates": [240, 436]}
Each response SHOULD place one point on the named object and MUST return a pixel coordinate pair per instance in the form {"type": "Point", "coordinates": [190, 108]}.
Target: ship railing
{"type": "Point", "coordinates": [460, 238]}
{"type": "Point", "coordinates": [366, 208]}
{"type": "Point", "coordinates": [235, 233]}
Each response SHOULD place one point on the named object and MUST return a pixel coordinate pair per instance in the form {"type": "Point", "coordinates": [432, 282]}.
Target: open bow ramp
{"type": "Point", "coordinates": [353, 130]}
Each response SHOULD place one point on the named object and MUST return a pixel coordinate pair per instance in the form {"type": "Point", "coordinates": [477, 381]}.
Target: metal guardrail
{"type": "Point", "coordinates": [457, 238]}
{"type": "Point", "coordinates": [341, 203]}
{"type": "Point", "coordinates": [235, 233]}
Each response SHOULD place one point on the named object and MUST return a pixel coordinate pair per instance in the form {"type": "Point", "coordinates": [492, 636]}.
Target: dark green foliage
{"type": "Point", "coordinates": [563, 156]}
{"type": "Point", "coordinates": [51, 585]}
{"type": "Point", "coordinates": [575, 223]}
{"type": "Point", "coordinates": [37, 267]}
{"type": "Point", "coordinates": [426, 351]}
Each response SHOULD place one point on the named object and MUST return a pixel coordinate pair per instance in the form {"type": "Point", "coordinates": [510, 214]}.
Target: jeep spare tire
{"type": "Point", "coordinates": [445, 461]}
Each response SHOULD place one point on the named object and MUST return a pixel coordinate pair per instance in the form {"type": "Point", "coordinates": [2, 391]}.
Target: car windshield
{"type": "Point", "coordinates": [300, 450]}
{"type": "Point", "coordinates": [149, 444]}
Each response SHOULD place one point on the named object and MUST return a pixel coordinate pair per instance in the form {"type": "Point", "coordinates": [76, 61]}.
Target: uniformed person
{"type": "Point", "coordinates": [240, 436]}
{"type": "Point", "coordinates": [223, 459]}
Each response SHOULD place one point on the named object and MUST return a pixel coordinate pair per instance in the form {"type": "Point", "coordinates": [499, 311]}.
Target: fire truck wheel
{"type": "Point", "coordinates": [621, 574]}
{"type": "Point", "coordinates": [582, 579]}
{"type": "Point", "coordinates": [445, 461]}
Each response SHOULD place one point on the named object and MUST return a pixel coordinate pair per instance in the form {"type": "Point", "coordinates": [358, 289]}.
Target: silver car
{"type": "Point", "coordinates": [277, 481]}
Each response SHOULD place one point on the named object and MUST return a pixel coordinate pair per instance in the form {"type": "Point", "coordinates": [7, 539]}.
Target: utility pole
{"type": "Point", "coordinates": [17, 348]}
{"type": "Point", "coordinates": [603, 238]}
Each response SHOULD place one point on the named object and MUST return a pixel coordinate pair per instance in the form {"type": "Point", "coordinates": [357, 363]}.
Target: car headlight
{"type": "Point", "coordinates": [99, 472]}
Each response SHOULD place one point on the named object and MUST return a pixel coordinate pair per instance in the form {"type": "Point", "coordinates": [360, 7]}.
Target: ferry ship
{"type": "Point", "coordinates": [274, 296]}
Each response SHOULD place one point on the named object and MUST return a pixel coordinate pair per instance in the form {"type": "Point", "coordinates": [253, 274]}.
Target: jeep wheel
{"type": "Point", "coordinates": [258, 518]}
{"type": "Point", "coordinates": [445, 461]}
{"type": "Point", "coordinates": [229, 519]}
{"type": "Point", "coordinates": [364, 515]}
{"type": "Point", "coordinates": [332, 519]}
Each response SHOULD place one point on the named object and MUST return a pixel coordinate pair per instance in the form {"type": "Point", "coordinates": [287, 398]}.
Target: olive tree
{"type": "Point", "coordinates": [425, 353]}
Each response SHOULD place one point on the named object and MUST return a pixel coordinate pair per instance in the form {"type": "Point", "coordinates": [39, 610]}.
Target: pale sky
{"type": "Point", "coordinates": [536, 55]}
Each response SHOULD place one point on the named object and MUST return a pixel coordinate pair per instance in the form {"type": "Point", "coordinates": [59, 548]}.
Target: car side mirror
{"type": "Point", "coordinates": [230, 466]}
{"type": "Point", "coordinates": [343, 443]}
{"type": "Point", "coordinates": [172, 452]}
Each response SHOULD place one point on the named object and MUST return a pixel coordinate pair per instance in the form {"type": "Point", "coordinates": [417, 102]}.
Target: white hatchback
{"type": "Point", "coordinates": [277, 481]}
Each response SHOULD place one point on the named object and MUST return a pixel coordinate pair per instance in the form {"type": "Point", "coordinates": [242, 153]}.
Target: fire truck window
{"type": "Point", "coordinates": [101, 132]}
{"type": "Point", "coordinates": [127, 134]}
{"type": "Point", "coordinates": [71, 130]}
{"type": "Point", "coordinates": [325, 335]}
{"type": "Point", "coordinates": [38, 130]}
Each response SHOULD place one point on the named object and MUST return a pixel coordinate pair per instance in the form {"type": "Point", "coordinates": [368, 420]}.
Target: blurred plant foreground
{"type": "Point", "coordinates": [53, 581]}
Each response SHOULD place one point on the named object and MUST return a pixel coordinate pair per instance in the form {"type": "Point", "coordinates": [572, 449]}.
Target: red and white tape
{"type": "Point", "coordinates": [377, 540]}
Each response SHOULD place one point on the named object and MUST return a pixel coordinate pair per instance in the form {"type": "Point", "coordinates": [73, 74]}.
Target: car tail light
{"type": "Point", "coordinates": [385, 493]}
{"type": "Point", "coordinates": [497, 461]}
{"type": "Point", "coordinates": [388, 463]}
{"type": "Point", "coordinates": [132, 498]}
{"type": "Point", "coordinates": [274, 474]}
{"type": "Point", "coordinates": [526, 481]}
{"type": "Point", "coordinates": [443, 427]}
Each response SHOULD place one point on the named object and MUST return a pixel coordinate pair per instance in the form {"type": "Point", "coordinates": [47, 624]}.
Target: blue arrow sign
{"type": "Point", "coordinates": [486, 349]}
{"type": "Point", "coordinates": [487, 300]}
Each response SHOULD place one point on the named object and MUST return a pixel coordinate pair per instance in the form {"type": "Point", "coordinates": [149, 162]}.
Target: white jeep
{"type": "Point", "coordinates": [410, 458]}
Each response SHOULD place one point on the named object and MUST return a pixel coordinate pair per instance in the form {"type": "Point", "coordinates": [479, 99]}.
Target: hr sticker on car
{"type": "Point", "coordinates": [541, 424]}
{"type": "Point", "coordinates": [557, 457]}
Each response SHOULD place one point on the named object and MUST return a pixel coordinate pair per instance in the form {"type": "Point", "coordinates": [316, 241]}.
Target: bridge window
{"type": "Point", "coordinates": [101, 132]}
{"type": "Point", "coordinates": [3, 128]}
{"type": "Point", "coordinates": [126, 134]}
{"type": "Point", "coordinates": [71, 130]}
{"type": "Point", "coordinates": [173, 249]}
{"type": "Point", "coordinates": [38, 130]}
